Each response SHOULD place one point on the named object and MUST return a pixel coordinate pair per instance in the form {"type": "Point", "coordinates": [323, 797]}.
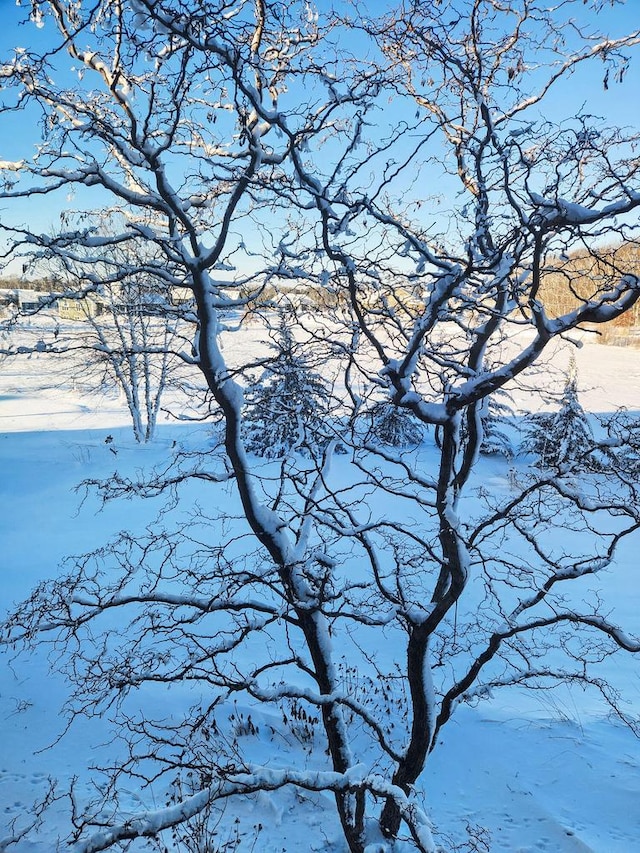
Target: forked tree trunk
{"type": "Point", "coordinates": [448, 589]}
{"type": "Point", "coordinates": [412, 765]}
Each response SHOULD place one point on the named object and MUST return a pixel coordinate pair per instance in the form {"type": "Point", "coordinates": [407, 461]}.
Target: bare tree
{"type": "Point", "coordinates": [116, 319]}
{"type": "Point", "coordinates": [250, 149]}
{"type": "Point", "coordinates": [135, 327]}
{"type": "Point", "coordinates": [134, 350]}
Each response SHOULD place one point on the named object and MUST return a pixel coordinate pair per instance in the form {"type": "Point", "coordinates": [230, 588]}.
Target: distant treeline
{"type": "Point", "coordinates": [585, 275]}
{"type": "Point", "coordinates": [16, 282]}
{"type": "Point", "coordinates": [566, 283]}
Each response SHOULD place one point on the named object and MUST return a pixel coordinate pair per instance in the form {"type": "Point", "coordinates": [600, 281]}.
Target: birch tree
{"type": "Point", "coordinates": [133, 324]}
{"type": "Point", "coordinates": [252, 147]}
{"type": "Point", "coordinates": [116, 320]}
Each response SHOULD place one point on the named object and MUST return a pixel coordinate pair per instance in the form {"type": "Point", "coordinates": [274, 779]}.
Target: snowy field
{"type": "Point", "coordinates": [549, 773]}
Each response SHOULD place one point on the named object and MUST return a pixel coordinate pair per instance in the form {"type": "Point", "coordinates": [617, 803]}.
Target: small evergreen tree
{"type": "Point", "coordinates": [392, 425]}
{"type": "Point", "coordinates": [563, 438]}
{"type": "Point", "coordinates": [495, 440]}
{"type": "Point", "coordinates": [287, 407]}
{"type": "Point", "coordinates": [623, 445]}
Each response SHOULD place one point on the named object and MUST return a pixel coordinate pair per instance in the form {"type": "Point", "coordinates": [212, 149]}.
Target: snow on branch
{"type": "Point", "coordinates": [151, 823]}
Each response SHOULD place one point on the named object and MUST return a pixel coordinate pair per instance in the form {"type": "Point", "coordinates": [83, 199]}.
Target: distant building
{"type": "Point", "coordinates": [82, 308]}
{"type": "Point", "coordinates": [28, 300]}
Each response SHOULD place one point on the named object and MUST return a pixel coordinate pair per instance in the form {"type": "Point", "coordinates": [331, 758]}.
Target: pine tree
{"type": "Point", "coordinates": [623, 445]}
{"type": "Point", "coordinates": [287, 407]}
{"type": "Point", "coordinates": [563, 438]}
{"type": "Point", "coordinates": [392, 425]}
{"type": "Point", "coordinates": [495, 440]}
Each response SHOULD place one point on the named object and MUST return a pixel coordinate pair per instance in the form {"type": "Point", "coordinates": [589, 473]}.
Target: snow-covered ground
{"type": "Point", "coordinates": [550, 774]}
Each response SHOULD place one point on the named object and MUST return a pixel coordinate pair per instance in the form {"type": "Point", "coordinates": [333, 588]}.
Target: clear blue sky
{"type": "Point", "coordinates": [619, 105]}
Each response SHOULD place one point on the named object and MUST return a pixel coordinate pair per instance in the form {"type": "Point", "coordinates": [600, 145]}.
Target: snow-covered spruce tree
{"type": "Point", "coordinates": [564, 438]}
{"type": "Point", "coordinates": [495, 438]}
{"type": "Point", "coordinates": [255, 145]}
{"type": "Point", "coordinates": [621, 449]}
{"type": "Point", "coordinates": [391, 425]}
{"type": "Point", "coordinates": [288, 404]}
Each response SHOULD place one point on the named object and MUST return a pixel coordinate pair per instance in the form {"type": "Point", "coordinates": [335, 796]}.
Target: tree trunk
{"type": "Point", "coordinates": [412, 765]}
